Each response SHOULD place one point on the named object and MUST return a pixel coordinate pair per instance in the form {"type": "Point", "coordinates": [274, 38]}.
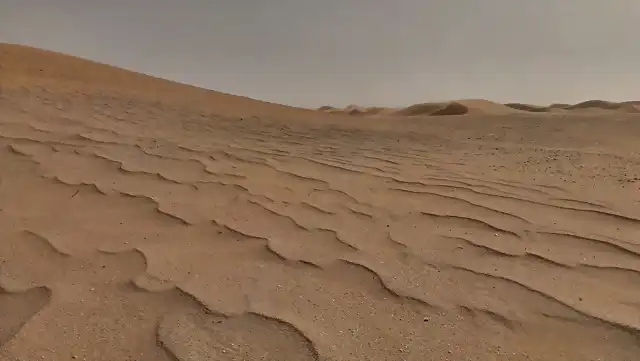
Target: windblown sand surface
{"type": "Point", "coordinates": [147, 220]}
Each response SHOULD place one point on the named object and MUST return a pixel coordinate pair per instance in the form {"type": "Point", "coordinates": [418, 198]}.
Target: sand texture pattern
{"type": "Point", "coordinates": [147, 220]}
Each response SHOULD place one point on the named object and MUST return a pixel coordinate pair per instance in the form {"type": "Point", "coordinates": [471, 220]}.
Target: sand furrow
{"type": "Point", "coordinates": [630, 326]}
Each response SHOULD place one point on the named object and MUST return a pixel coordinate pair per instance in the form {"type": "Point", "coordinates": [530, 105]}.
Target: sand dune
{"type": "Point", "coordinates": [355, 110]}
{"type": "Point", "coordinates": [528, 107]}
{"type": "Point", "coordinates": [72, 75]}
{"type": "Point", "coordinates": [559, 106]}
{"type": "Point", "coordinates": [481, 107]}
{"type": "Point", "coordinates": [602, 105]}
{"type": "Point", "coordinates": [327, 108]}
{"type": "Point", "coordinates": [599, 104]}
{"type": "Point", "coordinates": [420, 109]}
{"type": "Point", "coordinates": [148, 220]}
{"type": "Point", "coordinates": [630, 108]}
{"type": "Point", "coordinates": [458, 107]}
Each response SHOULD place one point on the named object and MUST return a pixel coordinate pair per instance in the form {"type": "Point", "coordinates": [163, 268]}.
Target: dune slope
{"type": "Point", "coordinates": [602, 105]}
{"type": "Point", "coordinates": [148, 220]}
{"type": "Point", "coordinates": [528, 107]}
{"type": "Point", "coordinates": [458, 107]}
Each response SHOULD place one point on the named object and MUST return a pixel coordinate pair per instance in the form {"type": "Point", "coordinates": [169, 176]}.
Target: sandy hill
{"type": "Point", "coordinates": [629, 108]}
{"type": "Point", "coordinates": [458, 107]}
{"type": "Point", "coordinates": [528, 107]}
{"type": "Point", "coordinates": [420, 109]}
{"type": "Point", "coordinates": [355, 110]}
{"type": "Point", "coordinates": [595, 104]}
{"type": "Point", "coordinates": [142, 219]}
{"type": "Point", "coordinates": [485, 107]}
{"type": "Point", "coordinates": [52, 69]}
{"type": "Point", "coordinates": [481, 107]}
{"type": "Point", "coordinates": [326, 108]}
{"type": "Point", "coordinates": [603, 105]}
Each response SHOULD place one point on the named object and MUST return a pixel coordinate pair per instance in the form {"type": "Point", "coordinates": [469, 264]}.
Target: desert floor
{"type": "Point", "coordinates": [134, 228]}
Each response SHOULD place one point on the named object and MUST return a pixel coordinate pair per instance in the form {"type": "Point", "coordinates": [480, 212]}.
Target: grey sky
{"type": "Point", "coordinates": [367, 52]}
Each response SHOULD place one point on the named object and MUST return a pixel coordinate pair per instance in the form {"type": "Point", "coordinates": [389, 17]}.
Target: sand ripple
{"type": "Point", "coordinates": [151, 227]}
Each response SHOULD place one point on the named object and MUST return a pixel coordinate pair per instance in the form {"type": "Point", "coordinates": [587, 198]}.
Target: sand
{"type": "Point", "coordinates": [147, 220]}
{"type": "Point", "coordinates": [355, 110]}
{"type": "Point", "coordinates": [485, 107]}
{"type": "Point", "coordinates": [456, 107]}
{"type": "Point", "coordinates": [529, 107]}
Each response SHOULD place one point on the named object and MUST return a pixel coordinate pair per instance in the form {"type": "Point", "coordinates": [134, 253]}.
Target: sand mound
{"type": "Point", "coordinates": [459, 107]}
{"type": "Point", "coordinates": [481, 106]}
{"type": "Point", "coordinates": [630, 107]}
{"type": "Point", "coordinates": [375, 111]}
{"type": "Point", "coordinates": [49, 68]}
{"type": "Point", "coordinates": [528, 107]}
{"type": "Point", "coordinates": [355, 110]}
{"type": "Point", "coordinates": [594, 104]}
{"type": "Point", "coordinates": [559, 106]}
{"type": "Point", "coordinates": [420, 109]}
{"type": "Point", "coordinates": [452, 108]}
{"type": "Point", "coordinates": [190, 231]}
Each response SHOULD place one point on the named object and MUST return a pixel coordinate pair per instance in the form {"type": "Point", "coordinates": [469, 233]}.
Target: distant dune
{"type": "Point", "coordinates": [603, 105]}
{"type": "Point", "coordinates": [630, 108]}
{"type": "Point", "coordinates": [452, 108]}
{"type": "Point", "coordinates": [355, 110]}
{"type": "Point", "coordinates": [597, 104]}
{"type": "Point", "coordinates": [528, 107]}
{"type": "Point", "coordinates": [420, 109]}
{"type": "Point", "coordinates": [482, 107]}
{"type": "Point", "coordinates": [458, 107]}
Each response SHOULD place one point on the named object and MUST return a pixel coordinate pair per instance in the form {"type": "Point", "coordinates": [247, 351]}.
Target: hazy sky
{"type": "Point", "coordinates": [367, 52]}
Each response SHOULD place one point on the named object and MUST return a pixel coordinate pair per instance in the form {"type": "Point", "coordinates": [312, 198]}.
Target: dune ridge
{"type": "Point", "coordinates": [529, 107]}
{"type": "Point", "coordinates": [149, 220]}
{"type": "Point", "coordinates": [355, 110]}
{"type": "Point", "coordinates": [482, 107]}
{"type": "Point", "coordinates": [458, 107]}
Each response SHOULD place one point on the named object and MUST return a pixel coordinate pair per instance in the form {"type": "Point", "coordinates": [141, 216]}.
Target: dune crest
{"type": "Point", "coordinates": [47, 68]}
{"type": "Point", "coordinates": [529, 107]}
{"type": "Point", "coordinates": [420, 109]}
{"type": "Point", "coordinates": [481, 107]}
{"type": "Point", "coordinates": [458, 107]}
{"type": "Point", "coordinates": [599, 104]}
{"type": "Point", "coordinates": [147, 220]}
{"type": "Point", "coordinates": [355, 110]}
{"type": "Point", "coordinates": [602, 105]}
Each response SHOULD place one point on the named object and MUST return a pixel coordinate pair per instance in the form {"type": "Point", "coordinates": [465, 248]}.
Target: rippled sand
{"type": "Point", "coordinates": [136, 227]}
